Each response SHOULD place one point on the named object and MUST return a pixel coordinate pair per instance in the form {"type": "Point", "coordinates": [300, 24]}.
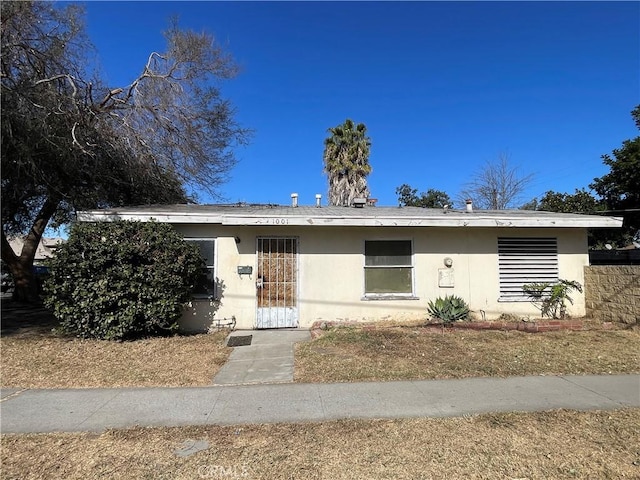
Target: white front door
{"type": "Point", "coordinates": [277, 282]}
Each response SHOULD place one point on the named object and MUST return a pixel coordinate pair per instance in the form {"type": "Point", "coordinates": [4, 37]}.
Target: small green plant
{"type": "Point", "coordinates": [448, 309]}
{"type": "Point", "coordinates": [551, 298]}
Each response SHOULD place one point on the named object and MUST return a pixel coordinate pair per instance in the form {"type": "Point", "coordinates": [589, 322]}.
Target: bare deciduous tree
{"type": "Point", "coordinates": [497, 185]}
{"type": "Point", "coordinates": [69, 141]}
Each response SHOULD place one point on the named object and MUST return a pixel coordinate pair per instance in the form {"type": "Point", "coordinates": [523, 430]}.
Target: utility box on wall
{"type": "Point", "coordinates": [245, 270]}
{"type": "Point", "coordinates": [445, 278]}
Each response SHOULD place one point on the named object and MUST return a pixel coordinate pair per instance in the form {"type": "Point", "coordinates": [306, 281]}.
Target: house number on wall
{"type": "Point", "coordinates": [280, 221]}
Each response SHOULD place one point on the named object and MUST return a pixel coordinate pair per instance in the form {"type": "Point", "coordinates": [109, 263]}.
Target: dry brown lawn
{"type": "Point", "coordinates": [33, 357]}
{"type": "Point", "coordinates": [560, 444]}
{"type": "Point", "coordinates": [550, 445]}
{"type": "Point", "coordinates": [39, 359]}
{"type": "Point", "coordinates": [349, 354]}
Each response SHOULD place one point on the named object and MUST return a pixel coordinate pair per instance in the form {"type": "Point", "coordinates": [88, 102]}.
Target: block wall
{"type": "Point", "coordinates": [612, 293]}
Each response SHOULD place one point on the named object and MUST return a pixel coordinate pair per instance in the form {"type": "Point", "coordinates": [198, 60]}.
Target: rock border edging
{"type": "Point", "coordinates": [537, 326]}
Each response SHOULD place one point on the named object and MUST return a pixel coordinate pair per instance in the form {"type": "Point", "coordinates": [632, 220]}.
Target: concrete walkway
{"type": "Point", "coordinates": [98, 409]}
{"type": "Point", "coordinates": [255, 386]}
{"type": "Point", "coordinates": [268, 359]}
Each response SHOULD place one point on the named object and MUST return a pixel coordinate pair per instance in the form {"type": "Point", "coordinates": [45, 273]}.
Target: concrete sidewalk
{"type": "Point", "coordinates": [98, 409]}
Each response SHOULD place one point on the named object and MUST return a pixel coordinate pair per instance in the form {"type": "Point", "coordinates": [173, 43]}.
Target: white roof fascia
{"type": "Point", "coordinates": [473, 220]}
{"type": "Point", "coordinates": [162, 217]}
{"type": "Point", "coordinates": [286, 219]}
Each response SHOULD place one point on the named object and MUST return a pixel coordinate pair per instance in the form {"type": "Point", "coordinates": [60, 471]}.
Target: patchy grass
{"type": "Point", "coordinates": [34, 357]}
{"type": "Point", "coordinates": [43, 360]}
{"type": "Point", "coordinates": [349, 354]}
{"type": "Point", "coordinates": [558, 444]}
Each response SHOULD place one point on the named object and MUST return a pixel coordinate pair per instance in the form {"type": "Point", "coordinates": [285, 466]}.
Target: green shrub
{"type": "Point", "coordinates": [448, 309]}
{"type": "Point", "coordinates": [121, 280]}
{"type": "Point", "coordinates": [551, 298]}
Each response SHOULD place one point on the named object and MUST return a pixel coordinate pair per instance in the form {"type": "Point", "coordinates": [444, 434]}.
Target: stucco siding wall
{"type": "Point", "coordinates": [236, 293]}
{"type": "Point", "coordinates": [332, 279]}
{"type": "Point", "coordinates": [331, 271]}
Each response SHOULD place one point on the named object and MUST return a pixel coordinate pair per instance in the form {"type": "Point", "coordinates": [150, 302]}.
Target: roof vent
{"type": "Point", "coordinates": [359, 202]}
{"type": "Point", "coordinates": [318, 200]}
{"type": "Point", "coordinates": [294, 199]}
{"type": "Point", "coordinates": [469, 206]}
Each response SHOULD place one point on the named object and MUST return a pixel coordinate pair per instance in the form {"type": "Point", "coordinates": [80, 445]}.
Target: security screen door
{"type": "Point", "coordinates": [277, 282]}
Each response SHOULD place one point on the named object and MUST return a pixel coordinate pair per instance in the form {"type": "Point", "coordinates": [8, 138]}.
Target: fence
{"type": "Point", "coordinates": [612, 293]}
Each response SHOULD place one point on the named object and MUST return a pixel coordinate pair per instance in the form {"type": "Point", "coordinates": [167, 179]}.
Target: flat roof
{"type": "Point", "coordinates": [274, 215]}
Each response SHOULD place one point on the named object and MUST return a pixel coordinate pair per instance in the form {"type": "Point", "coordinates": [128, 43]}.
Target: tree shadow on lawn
{"type": "Point", "coordinates": [23, 320]}
{"type": "Point", "coordinates": [26, 320]}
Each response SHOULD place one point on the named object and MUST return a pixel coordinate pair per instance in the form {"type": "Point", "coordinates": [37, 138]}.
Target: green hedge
{"type": "Point", "coordinates": [121, 280]}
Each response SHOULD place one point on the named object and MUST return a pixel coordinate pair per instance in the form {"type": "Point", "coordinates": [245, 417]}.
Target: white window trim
{"type": "Point", "coordinates": [389, 296]}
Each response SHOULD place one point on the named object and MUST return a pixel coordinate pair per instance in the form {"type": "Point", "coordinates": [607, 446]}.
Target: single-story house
{"type": "Point", "coordinates": [46, 248]}
{"type": "Point", "coordinates": [273, 266]}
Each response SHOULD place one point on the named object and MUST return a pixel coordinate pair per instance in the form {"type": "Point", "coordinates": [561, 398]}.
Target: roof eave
{"type": "Point", "coordinates": [439, 221]}
{"type": "Point", "coordinates": [162, 217]}
{"type": "Point", "coordinates": [275, 219]}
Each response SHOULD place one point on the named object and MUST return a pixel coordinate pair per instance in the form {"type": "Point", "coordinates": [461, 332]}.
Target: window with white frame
{"type": "Point", "coordinates": [388, 268]}
{"type": "Point", "coordinates": [523, 260]}
{"type": "Point", "coordinates": [206, 284]}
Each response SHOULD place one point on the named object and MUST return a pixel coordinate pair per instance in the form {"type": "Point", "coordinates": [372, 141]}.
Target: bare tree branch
{"type": "Point", "coordinates": [147, 142]}
{"type": "Point", "coordinates": [496, 186]}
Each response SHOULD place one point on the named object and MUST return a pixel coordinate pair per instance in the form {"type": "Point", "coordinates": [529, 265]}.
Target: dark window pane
{"type": "Point", "coordinates": [387, 252]}
{"type": "Point", "coordinates": [206, 283]}
{"type": "Point", "coordinates": [206, 250]}
{"type": "Point", "coordinates": [387, 280]}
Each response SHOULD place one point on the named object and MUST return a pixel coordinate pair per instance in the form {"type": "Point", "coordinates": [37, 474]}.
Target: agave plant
{"type": "Point", "coordinates": [448, 309]}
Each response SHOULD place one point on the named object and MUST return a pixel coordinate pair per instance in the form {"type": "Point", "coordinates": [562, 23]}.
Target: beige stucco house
{"type": "Point", "coordinates": [46, 247]}
{"type": "Point", "coordinates": [290, 266]}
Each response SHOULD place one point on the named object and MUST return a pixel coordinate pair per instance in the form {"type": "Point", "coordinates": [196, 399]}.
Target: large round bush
{"type": "Point", "coordinates": [121, 280]}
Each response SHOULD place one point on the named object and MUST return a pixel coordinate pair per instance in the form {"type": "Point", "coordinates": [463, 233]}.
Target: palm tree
{"type": "Point", "coordinates": [346, 162]}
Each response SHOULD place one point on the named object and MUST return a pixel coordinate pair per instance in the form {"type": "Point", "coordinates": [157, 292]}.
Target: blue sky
{"type": "Point", "coordinates": [443, 87]}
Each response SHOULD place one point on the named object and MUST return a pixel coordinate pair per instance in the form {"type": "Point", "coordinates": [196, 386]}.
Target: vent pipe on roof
{"type": "Point", "coordinates": [318, 200]}
{"type": "Point", "coordinates": [469, 206]}
{"type": "Point", "coordinates": [294, 199]}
